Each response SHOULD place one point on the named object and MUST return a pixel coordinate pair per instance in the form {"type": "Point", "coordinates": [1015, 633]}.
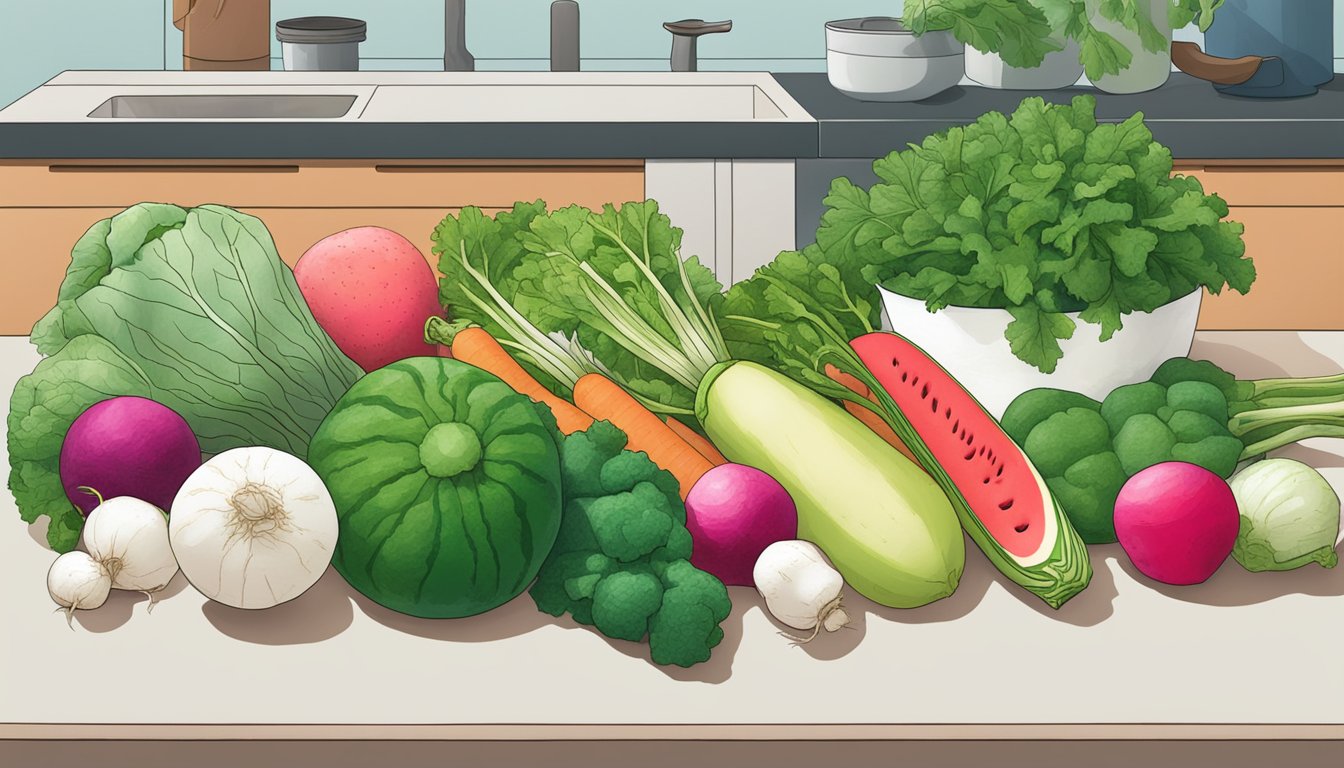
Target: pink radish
{"type": "Point", "coordinates": [1177, 522]}
{"type": "Point", "coordinates": [371, 290]}
{"type": "Point", "coordinates": [733, 513]}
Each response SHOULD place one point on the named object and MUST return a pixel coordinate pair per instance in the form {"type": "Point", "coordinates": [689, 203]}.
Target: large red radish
{"type": "Point", "coordinates": [371, 290]}
{"type": "Point", "coordinates": [1177, 522]}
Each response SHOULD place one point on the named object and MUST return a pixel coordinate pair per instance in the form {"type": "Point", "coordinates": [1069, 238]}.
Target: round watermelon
{"type": "Point", "coordinates": [447, 486]}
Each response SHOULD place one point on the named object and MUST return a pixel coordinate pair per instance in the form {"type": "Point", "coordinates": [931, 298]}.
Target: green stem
{"type": "Point", "coordinates": [1328, 414]}
{"type": "Point", "coordinates": [1310, 387]}
{"type": "Point", "coordinates": [1290, 436]}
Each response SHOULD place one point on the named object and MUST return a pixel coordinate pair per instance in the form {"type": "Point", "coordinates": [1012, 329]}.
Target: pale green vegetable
{"type": "Point", "coordinates": [1289, 516]}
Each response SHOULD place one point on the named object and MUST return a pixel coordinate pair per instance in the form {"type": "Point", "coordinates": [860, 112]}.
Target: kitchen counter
{"type": "Point", "coordinates": [429, 115]}
{"type": "Point", "coordinates": [1242, 656]}
{"type": "Point", "coordinates": [1186, 114]}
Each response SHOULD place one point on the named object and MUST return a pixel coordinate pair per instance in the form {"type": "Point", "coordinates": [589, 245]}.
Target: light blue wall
{"type": "Point", "coordinates": [39, 38]}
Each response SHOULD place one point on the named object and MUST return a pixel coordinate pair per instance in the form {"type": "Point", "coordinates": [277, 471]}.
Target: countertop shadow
{"type": "Point", "coordinates": [1245, 363]}
{"type": "Point", "coordinates": [120, 606]}
{"type": "Point", "coordinates": [1231, 585]}
{"type": "Point", "coordinates": [320, 613]}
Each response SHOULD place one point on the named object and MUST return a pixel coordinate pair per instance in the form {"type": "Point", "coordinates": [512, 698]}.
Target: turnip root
{"type": "Point", "coordinates": [801, 588]}
{"type": "Point", "coordinates": [76, 581]}
{"type": "Point", "coordinates": [129, 538]}
{"type": "Point", "coordinates": [253, 528]}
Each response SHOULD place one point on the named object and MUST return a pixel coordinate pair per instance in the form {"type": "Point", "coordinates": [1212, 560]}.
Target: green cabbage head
{"type": "Point", "coordinates": [1289, 516]}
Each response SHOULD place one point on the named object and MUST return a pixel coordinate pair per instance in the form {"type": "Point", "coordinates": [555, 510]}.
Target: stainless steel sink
{"type": "Point", "coordinates": [226, 106]}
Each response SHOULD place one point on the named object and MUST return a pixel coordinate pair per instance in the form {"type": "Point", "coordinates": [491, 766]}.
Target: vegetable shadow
{"type": "Point", "coordinates": [826, 646]}
{"type": "Point", "coordinates": [1242, 361]}
{"type": "Point", "coordinates": [1231, 585]}
{"type": "Point", "coordinates": [120, 606]}
{"type": "Point", "coordinates": [520, 616]}
{"type": "Point", "coordinates": [320, 613]}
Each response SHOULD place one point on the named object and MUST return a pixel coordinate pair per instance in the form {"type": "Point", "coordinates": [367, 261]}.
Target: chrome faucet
{"type": "Point", "coordinates": [564, 37]}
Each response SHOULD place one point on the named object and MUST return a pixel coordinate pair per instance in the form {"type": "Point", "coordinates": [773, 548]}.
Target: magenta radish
{"type": "Point", "coordinates": [371, 290]}
{"type": "Point", "coordinates": [127, 446]}
{"type": "Point", "coordinates": [733, 513]}
{"type": "Point", "coordinates": [1177, 522]}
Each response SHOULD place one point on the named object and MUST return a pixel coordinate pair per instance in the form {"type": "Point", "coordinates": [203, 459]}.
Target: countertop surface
{"type": "Point", "coordinates": [1186, 114]}
{"type": "Point", "coordinates": [1260, 651]}
{"type": "Point", "coordinates": [432, 115]}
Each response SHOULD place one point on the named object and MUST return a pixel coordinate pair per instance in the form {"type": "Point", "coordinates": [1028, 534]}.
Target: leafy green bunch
{"type": "Point", "coordinates": [1017, 30]}
{"type": "Point", "coordinates": [1042, 213]}
{"type": "Point", "coordinates": [1101, 53]}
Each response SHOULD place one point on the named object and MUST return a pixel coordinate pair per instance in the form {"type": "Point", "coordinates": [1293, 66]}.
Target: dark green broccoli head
{"type": "Point", "coordinates": [1184, 422]}
{"type": "Point", "coordinates": [621, 560]}
{"type": "Point", "coordinates": [1064, 438]}
{"type": "Point", "coordinates": [1072, 451]}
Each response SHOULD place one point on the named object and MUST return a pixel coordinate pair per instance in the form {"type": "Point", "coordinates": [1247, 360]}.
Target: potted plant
{"type": "Point", "coordinates": [920, 54]}
{"type": "Point", "coordinates": [1127, 43]}
{"type": "Point", "coordinates": [1013, 231]}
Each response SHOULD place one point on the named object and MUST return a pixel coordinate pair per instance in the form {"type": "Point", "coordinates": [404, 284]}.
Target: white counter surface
{"type": "Point", "coordinates": [1260, 649]}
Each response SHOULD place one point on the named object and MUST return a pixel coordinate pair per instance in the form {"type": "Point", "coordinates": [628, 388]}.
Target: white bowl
{"type": "Point", "coordinates": [876, 59]}
{"type": "Point", "coordinates": [970, 344]}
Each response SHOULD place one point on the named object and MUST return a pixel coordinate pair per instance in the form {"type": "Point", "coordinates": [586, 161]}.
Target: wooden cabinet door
{"type": "Point", "coordinates": [45, 208]}
{"type": "Point", "coordinates": [1294, 218]}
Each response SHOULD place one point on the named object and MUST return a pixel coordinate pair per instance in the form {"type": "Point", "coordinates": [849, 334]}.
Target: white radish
{"type": "Point", "coordinates": [253, 528]}
{"type": "Point", "coordinates": [129, 538]}
{"type": "Point", "coordinates": [801, 588]}
{"type": "Point", "coordinates": [76, 581]}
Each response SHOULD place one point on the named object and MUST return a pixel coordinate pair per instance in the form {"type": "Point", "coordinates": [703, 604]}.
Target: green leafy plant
{"type": "Point", "coordinates": [1015, 29]}
{"type": "Point", "coordinates": [1042, 213]}
{"type": "Point", "coordinates": [1101, 53]}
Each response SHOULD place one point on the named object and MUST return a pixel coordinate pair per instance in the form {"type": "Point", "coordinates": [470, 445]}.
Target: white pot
{"type": "Point", "coordinates": [1147, 70]}
{"type": "Point", "coordinates": [969, 343]}
{"type": "Point", "coordinates": [1059, 69]}
{"type": "Point", "coordinates": [876, 59]}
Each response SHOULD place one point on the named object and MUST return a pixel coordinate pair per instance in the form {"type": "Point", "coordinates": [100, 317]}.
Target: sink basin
{"type": "Point", "coordinates": [225, 106]}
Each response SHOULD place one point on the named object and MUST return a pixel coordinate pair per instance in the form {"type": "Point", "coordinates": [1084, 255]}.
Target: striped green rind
{"type": "Point", "coordinates": [438, 547]}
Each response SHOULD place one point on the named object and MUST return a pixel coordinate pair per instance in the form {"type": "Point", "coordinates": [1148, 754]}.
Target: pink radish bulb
{"type": "Point", "coordinates": [127, 446]}
{"type": "Point", "coordinates": [371, 290]}
{"type": "Point", "coordinates": [733, 513]}
{"type": "Point", "coordinates": [1177, 522]}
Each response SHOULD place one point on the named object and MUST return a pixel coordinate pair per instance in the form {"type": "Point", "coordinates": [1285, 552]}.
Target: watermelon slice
{"type": "Point", "coordinates": [1002, 501]}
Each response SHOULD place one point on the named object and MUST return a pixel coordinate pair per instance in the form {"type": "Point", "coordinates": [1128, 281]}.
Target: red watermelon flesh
{"type": "Point", "coordinates": [1004, 504]}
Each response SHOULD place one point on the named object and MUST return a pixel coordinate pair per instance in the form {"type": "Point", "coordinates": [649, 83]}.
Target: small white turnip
{"type": "Point", "coordinates": [129, 538]}
{"type": "Point", "coordinates": [76, 581]}
{"type": "Point", "coordinates": [801, 588]}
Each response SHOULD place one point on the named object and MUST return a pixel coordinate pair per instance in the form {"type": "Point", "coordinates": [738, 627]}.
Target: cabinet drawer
{"type": "Point", "coordinates": [1299, 262]}
{"type": "Point", "coordinates": [38, 243]}
{"type": "Point", "coordinates": [336, 184]}
{"type": "Point", "coordinates": [1250, 183]}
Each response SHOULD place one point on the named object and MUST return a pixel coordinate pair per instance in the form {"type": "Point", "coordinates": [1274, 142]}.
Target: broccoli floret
{"type": "Point", "coordinates": [687, 626]}
{"type": "Point", "coordinates": [621, 561]}
{"type": "Point", "coordinates": [1072, 451]}
{"type": "Point", "coordinates": [1131, 400]}
{"type": "Point", "coordinates": [625, 602]}
{"type": "Point", "coordinates": [1143, 441]}
{"type": "Point", "coordinates": [1199, 397]}
{"type": "Point", "coordinates": [1036, 405]}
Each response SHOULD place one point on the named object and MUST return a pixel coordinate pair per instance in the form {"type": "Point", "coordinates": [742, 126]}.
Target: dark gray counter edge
{"type": "Point", "coordinates": [1194, 139]}
{"type": "Point", "coordinates": [407, 140]}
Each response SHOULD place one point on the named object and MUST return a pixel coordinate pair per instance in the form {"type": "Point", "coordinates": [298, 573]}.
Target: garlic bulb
{"type": "Point", "coordinates": [77, 581]}
{"type": "Point", "coordinates": [800, 587]}
{"type": "Point", "coordinates": [129, 537]}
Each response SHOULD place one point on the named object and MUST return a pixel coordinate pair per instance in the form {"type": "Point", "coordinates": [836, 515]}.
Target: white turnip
{"type": "Point", "coordinates": [129, 538]}
{"type": "Point", "coordinates": [801, 588]}
{"type": "Point", "coordinates": [76, 581]}
{"type": "Point", "coordinates": [253, 528]}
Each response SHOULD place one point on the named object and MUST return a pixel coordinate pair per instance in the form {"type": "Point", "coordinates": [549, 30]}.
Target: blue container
{"type": "Point", "coordinates": [1296, 37]}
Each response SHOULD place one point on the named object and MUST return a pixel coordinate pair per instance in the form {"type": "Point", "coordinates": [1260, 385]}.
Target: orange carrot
{"type": "Point", "coordinates": [475, 346]}
{"type": "Point", "coordinates": [867, 415]}
{"type": "Point", "coordinates": [698, 441]}
{"type": "Point", "coordinates": [603, 399]}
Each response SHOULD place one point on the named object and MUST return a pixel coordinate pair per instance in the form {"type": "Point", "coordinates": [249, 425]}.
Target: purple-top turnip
{"type": "Point", "coordinates": [733, 513]}
{"type": "Point", "coordinates": [127, 446]}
